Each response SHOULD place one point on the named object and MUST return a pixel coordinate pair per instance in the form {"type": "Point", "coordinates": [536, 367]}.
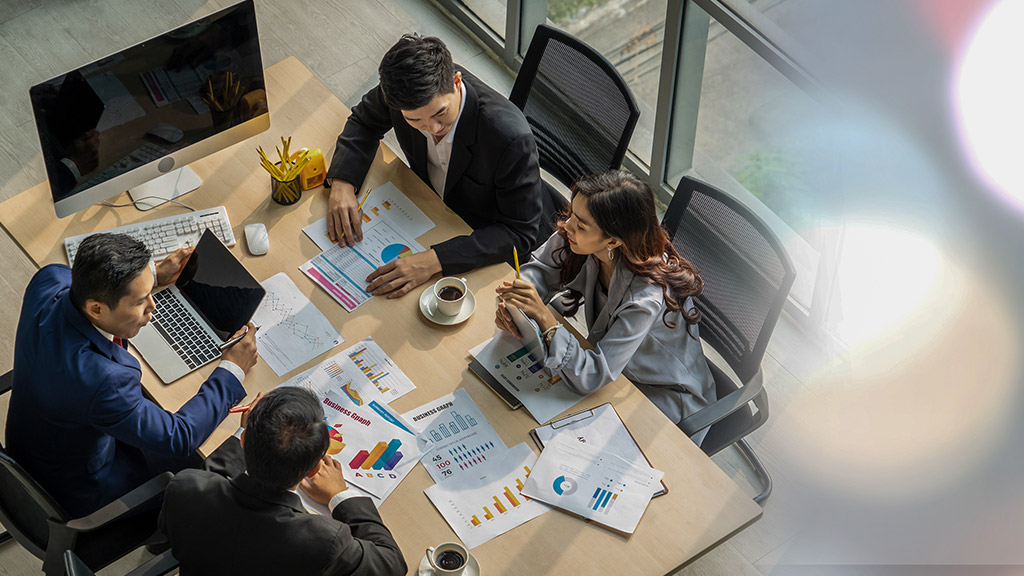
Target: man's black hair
{"type": "Point", "coordinates": [414, 71]}
{"type": "Point", "coordinates": [285, 437]}
{"type": "Point", "coordinates": [105, 265]}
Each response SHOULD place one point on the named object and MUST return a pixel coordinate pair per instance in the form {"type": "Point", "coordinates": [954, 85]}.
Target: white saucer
{"type": "Point", "coordinates": [428, 305]}
{"type": "Point", "coordinates": [472, 567]}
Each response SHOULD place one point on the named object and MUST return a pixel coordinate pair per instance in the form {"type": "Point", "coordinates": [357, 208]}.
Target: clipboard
{"type": "Point", "coordinates": [615, 433]}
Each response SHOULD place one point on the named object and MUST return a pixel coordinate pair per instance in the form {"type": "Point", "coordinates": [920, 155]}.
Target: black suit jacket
{"type": "Point", "coordinates": [493, 180]}
{"type": "Point", "coordinates": [231, 525]}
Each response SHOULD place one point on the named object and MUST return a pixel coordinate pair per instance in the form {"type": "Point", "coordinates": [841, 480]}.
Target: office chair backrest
{"type": "Point", "coordinates": [747, 273]}
{"type": "Point", "coordinates": [25, 507]}
{"type": "Point", "coordinates": [580, 109]}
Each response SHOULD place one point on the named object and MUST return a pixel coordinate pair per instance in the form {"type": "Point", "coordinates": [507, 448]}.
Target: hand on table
{"type": "Point", "coordinates": [326, 482]}
{"type": "Point", "coordinates": [398, 277]}
{"type": "Point", "coordinates": [243, 353]}
{"type": "Point", "coordinates": [344, 216]}
{"type": "Point", "coordinates": [521, 293]}
{"type": "Point", "coordinates": [169, 268]}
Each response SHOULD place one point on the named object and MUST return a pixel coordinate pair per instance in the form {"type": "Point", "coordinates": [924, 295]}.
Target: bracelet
{"type": "Point", "coordinates": [548, 335]}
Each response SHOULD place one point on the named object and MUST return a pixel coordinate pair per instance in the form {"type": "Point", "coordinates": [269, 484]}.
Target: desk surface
{"type": "Point", "coordinates": [703, 506]}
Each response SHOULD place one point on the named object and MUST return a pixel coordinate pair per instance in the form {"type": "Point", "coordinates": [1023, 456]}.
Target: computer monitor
{"type": "Point", "coordinates": [135, 119]}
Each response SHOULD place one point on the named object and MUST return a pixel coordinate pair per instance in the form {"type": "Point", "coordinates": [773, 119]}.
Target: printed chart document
{"type": "Point", "coordinates": [480, 510]}
{"type": "Point", "coordinates": [380, 369]}
{"type": "Point", "coordinates": [341, 376]}
{"type": "Point", "coordinates": [292, 330]}
{"type": "Point", "coordinates": [600, 428]}
{"type": "Point", "coordinates": [522, 373]}
{"type": "Point", "coordinates": [342, 270]}
{"type": "Point", "coordinates": [456, 439]}
{"type": "Point", "coordinates": [385, 203]}
{"type": "Point", "coordinates": [375, 455]}
{"type": "Point", "coordinates": [593, 484]}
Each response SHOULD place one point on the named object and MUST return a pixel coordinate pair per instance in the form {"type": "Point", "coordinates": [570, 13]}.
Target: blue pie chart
{"type": "Point", "coordinates": [564, 486]}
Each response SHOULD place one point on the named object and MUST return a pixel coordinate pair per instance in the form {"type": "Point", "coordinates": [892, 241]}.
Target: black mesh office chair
{"type": "Point", "coordinates": [40, 525]}
{"type": "Point", "coordinates": [580, 109]}
{"type": "Point", "coordinates": [747, 277]}
{"type": "Point", "coordinates": [158, 566]}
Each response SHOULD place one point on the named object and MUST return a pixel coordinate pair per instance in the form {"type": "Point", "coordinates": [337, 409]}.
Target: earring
{"type": "Point", "coordinates": [611, 254]}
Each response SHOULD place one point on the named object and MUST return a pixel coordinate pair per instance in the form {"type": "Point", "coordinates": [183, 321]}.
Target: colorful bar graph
{"type": "Point", "coordinates": [358, 460]}
{"type": "Point", "coordinates": [499, 505]}
{"type": "Point", "coordinates": [519, 484]}
{"type": "Point", "coordinates": [475, 521]}
{"type": "Point", "coordinates": [374, 454]}
{"type": "Point", "coordinates": [602, 501]}
{"type": "Point", "coordinates": [487, 514]}
{"type": "Point", "coordinates": [393, 461]}
{"type": "Point", "coordinates": [511, 497]}
{"type": "Point", "coordinates": [386, 456]}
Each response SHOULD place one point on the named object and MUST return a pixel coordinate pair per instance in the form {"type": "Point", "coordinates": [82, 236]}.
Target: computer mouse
{"type": "Point", "coordinates": [257, 239]}
{"type": "Point", "coordinates": [166, 132]}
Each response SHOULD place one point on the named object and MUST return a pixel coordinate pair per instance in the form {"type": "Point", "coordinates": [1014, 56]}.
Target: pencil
{"type": "Point", "coordinates": [515, 256]}
{"type": "Point", "coordinates": [238, 409]}
{"type": "Point", "coordinates": [365, 196]}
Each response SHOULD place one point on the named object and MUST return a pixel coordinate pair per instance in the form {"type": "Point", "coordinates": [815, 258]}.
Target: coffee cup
{"type": "Point", "coordinates": [449, 559]}
{"type": "Point", "coordinates": [450, 293]}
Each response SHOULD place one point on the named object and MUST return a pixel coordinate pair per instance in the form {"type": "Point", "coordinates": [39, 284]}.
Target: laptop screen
{"type": "Point", "coordinates": [219, 287]}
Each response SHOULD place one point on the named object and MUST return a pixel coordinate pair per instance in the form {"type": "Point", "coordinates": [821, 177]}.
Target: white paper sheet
{"type": "Point", "coordinates": [292, 330]}
{"type": "Point", "coordinates": [481, 510]}
{"type": "Point", "coordinates": [456, 438]}
{"type": "Point", "coordinates": [594, 484]}
{"type": "Point", "coordinates": [385, 204]}
{"type": "Point", "coordinates": [380, 369]}
{"type": "Point", "coordinates": [342, 270]}
{"type": "Point", "coordinates": [523, 374]}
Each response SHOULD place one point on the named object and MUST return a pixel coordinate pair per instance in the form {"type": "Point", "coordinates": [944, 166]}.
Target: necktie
{"type": "Point", "coordinates": [121, 342]}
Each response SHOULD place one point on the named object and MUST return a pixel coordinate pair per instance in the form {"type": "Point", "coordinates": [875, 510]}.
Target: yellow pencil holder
{"type": "Point", "coordinates": [287, 192]}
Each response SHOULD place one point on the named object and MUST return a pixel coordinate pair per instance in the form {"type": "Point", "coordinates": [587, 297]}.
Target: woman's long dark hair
{"type": "Point", "coordinates": [622, 206]}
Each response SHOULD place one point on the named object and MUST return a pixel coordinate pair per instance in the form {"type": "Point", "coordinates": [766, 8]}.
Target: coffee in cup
{"type": "Point", "coordinates": [448, 559]}
{"type": "Point", "coordinates": [450, 293]}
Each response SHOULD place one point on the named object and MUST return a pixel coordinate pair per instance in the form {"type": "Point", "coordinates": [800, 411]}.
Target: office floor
{"type": "Point", "coordinates": [342, 42]}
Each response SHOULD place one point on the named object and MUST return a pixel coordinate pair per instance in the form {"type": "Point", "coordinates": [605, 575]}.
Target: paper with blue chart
{"type": "Point", "coordinates": [383, 204]}
{"type": "Point", "coordinates": [456, 438]}
{"type": "Point", "coordinates": [521, 371]}
{"type": "Point", "coordinates": [291, 329]}
{"type": "Point", "coordinates": [592, 483]}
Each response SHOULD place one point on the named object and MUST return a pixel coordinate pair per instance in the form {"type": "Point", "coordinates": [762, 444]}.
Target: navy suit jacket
{"type": "Point", "coordinates": [78, 421]}
{"type": "Point", "coordinates": [493, 180]}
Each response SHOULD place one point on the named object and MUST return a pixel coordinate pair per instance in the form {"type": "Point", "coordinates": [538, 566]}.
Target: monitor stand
{"type": "Point", "coordinates": [165, 187]}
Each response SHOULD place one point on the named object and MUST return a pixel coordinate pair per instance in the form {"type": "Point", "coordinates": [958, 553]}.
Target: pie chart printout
{"type": "Point", "coordinates": [394, 251]}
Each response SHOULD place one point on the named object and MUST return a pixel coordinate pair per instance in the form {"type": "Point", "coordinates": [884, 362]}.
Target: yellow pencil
{"type": "Point", "coordinates": [365, 196]}
{"type": "Point", "coordinates": [515, 256]}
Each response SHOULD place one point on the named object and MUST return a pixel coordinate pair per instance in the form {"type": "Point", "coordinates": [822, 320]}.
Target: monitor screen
{"type": "Point", "coordinates": [134, 115]}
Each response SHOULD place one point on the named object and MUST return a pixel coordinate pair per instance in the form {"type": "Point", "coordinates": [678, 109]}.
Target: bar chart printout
{"type": "Point", "coordinates": [380, 369]}
{"type": "Point", "coordinates": [456, 438]}
{"type": "Point", "coordinates": [481, 510]}
{"type": "Point", "coordinates": [593, 483]}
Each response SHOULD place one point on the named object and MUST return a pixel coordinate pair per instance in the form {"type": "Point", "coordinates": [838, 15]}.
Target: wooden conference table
{"type": "Point", "coordinates": [703, 506]}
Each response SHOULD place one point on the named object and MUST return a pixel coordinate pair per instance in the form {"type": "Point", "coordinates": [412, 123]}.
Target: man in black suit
{"type": "Point", "coordinates": [469, 143]}
{"type": "Point", "coordinates": [225, 521]}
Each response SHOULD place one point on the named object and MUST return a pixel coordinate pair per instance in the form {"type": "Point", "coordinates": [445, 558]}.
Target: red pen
{"type": "Point", "coordinates": [238, 409]}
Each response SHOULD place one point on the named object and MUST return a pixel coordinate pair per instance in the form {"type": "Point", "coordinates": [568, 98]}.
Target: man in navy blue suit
{"type": "Point", "coordinates": [78, 421]}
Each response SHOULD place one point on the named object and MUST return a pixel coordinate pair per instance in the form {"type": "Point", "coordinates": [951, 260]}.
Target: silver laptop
{"type": "Point", "coordinates": [212, 299]}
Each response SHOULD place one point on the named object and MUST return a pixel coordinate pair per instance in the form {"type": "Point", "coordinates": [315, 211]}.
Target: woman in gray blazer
{"type": "Point", "coordinates": [610, 252]}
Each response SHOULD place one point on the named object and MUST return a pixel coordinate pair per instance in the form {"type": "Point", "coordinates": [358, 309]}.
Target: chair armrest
{"type": "Point", "coordinates": [722, 407]}
{"type": "Point", "coordinates": [123, 505]}
{"type": "Point", "coordinates": [6, 381]}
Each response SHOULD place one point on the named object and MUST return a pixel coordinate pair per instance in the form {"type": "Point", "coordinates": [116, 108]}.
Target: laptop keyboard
{"type": "Point", "coordinates": [181, 330]}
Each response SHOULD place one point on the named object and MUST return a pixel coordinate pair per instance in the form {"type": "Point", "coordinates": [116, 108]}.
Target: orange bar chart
{"type": "Point", "coordinates": [498, 505]}
{"type": "Point", "coordinates": [511, 497]}
{"type": "Point", "coordinates": [487, 514]}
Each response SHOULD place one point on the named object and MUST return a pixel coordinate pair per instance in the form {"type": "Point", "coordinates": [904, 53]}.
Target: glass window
{"type": "Point", "coordinates": [758, 134]}
{"type": "Point", "coordinates": [492, 12]}
{"type": "Point", "coordinates": [630, 36]}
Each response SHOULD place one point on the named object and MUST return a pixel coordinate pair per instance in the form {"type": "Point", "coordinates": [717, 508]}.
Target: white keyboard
{"type": "Point", "coordinates": [165, 235]}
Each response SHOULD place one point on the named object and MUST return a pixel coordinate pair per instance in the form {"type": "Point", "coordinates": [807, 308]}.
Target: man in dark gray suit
{"type": "Point", "coordinates": [242, 516]}
{"type": "Point", "coordinates": [469, 143]}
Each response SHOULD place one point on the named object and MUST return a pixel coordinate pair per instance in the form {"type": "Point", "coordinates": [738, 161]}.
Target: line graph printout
{"type": "Point", "coordinates": [456, 438]}
{"type": "Point", "coordinates": [384, 204]}
{"type": "Point", "coordinates": [292, 331]}
{"type": "Point", "coordinates": [342, 270]}
{"type": "Point", "coordinates": [479, 510]}
{"type": "Point", "coordinates": [595, 484]}
{"type": "Point", "coordinates": [380, 369]}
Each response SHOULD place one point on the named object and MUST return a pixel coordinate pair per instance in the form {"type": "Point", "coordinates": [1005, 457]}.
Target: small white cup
{"type": "Point", "coordinates": [451, 554]}
{"type": "Point", "coordinates": [445, 291]}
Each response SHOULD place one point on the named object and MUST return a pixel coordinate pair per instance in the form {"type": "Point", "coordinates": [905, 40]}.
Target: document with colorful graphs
{"type": "Point", "coordinates": [456, 438]}
{"type": "Point", "coordinates": [594, 484]}
{"type": "Point", "coordinates": [380, 369]}
{"type": "Point", "coordinates": [521, 371]}
{"type": "Point", "coordinates": [481, 509]}
{"type": "Point", "coordinates": [383, 204]}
